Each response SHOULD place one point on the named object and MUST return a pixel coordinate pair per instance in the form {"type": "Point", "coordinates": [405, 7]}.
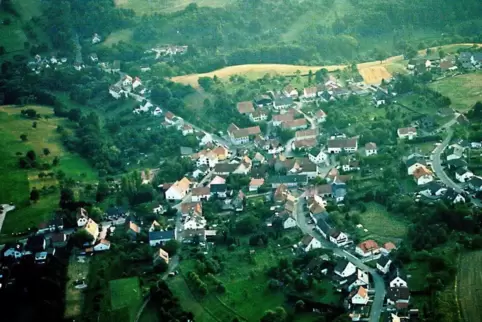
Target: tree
{"type": "Point", "coordinates": [299, 306]}
{"type": "Point", "coordinates": [81, 237]}
{"type": "Point", "coordinates": [161, 95]}
{"type": "Point", "coordinates": [31, 155]}
{"type": "Point", "coordinates": [23, 137]}
{"type": "Point", "coordinates": [2, 50]}
{"type": "Point", "coordinates": [34, 195]}
{"type": "Point", "coordinates": [441, 54]}
{"type": "Point", "coordinates": [278, 315]}
{"type": "Point", "coordinates": [206, 83]}
{"type": "Point", "coordinates": [248, 224]}
{"type": "Point", "coordinates": [74, 115]}
{"type": "Point", "coordinates": [46, 151]}
{"type": "Point", "coordinates": [171, 246]}
{"type": "Point", "coordinates": [34, 125]}
{"type": "Point", "coordinates": [55, 161]}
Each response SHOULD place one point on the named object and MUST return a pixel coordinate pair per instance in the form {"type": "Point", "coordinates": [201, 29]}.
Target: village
{"type": "Point", "coordinates": [298, 180]}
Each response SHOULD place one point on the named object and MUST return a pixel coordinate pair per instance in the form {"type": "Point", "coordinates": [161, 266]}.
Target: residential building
{"type": "Point", "coordinates": [282, 102]}
{"type": "Point", "coordinates": [161, 256]}
{"type": "Point", "coordinates": [397, 279]}
{"type": "Point", "coordinates": [178, 190]}
{"type": "Point", "coordinates": [327, 229]}
{"type": "Point", "coordinates": [288, 180]}
{"type": "Point", "coordinates": [309, 243]}
{"type": "Point", "coordinates": [306, 134]}
{"type": "Point", "coordinates": [200, 194]}
{"type": "Point", "coordinates": [370, 149]}
{"type": "Point", "coordinates": [132, 229]}
{"type": "Point", "coordinates": [407, 132]}
{"type": "Point", "coordinates": [463, 175]}
{"type": "Point", "coordinates": [387, 248]}
{"type": "Point", "coordinates": [58, 240]}
{"type": "Point", "coordinates": [318, 156]}
{"type": "Point", "coordinates": [154, 226]}
{"type": "Point", "coordinates": [290, 91]}
{"type": "Point", "coordinates": [259, 115]}
{"type": "Point", "coordinates": [345, 268]}
{"type": "Point", "coordinates": [225, 169]}
{"type": "Point", "coordinates": [383, 264]}
{"type": "Point", "coordinates": [367, 248]}
{"type": "Point", "coordinates": [92, 229]}
{"type": "Point", "coordinates": [186, 129]}
{"type": "Point", "coordinates": [242, 136]}
{"type": "Point", "coordinates": [157, 238]}
{"type": "Point", "coordinates": [422, 175]}
{"type": "Point", "coordinates": [414, 162]}
{"type": "Point", "coordinates": [309, 93]}
{"type": "Point", "coordinates": [217, 180]}
{"type": "Point", "coordinates": [117, 92]}
{"type": "Point", "coordinates": [398, 297]}
{"type": "Point", "coordinates": [359, 296]}
{"type": "Point", "coordinates": [245, 107]}
{"type": "Point", "coordinates": [35, 244]}
{"type": "Point", "coordinates": [296, 124]}
{"type": "Point", "coordinates": [453, 196]}
{"type": "Point", "coordinates": [336, 145]}
{"type": "Point", "coordinates": [475, 183]}
{"type": "Point", "coordinates": [263, 100]}
{"type": "Point", "coordinates": [285, 220]}
{"type": "Point", "coordinates": [320, 116]}
{"type": "Point", "coordinates": [351, 166]}
{"type": "Point", "coordinates": [304, 144]}
{"type": "Point", "coordinates": [103, 245]}
{"type": "Point", "coordinates": [136, 83]}
{"type": "Point", "coordinates": [219, 190]}
{"type": "Point", "coordinates": [255, 184]}
{"type": "Point", "coordinates": [279, 119]}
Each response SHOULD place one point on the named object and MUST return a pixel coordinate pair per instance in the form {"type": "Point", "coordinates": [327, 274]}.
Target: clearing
{"type": "Point", "coordinates": [149, 7]}
{"type": "Point", "coordinates": [374, 75]}
{"type": "Point", "coordinates": [469, 286]}
{"type": "Point", "coordinates": [463, 90]}
{"type": "Point", "coordinates": [16, 182]}
{"type": "Point", "coordinates": [126, 292]}
{"type": "Point", "coordinates": [381, 224]}
{"type": "Point", "coordinates": [77, 270]}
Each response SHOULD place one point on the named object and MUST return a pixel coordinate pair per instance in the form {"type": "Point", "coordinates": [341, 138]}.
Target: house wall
{"type": "Point", "coordinates": [398, 282]}
{"type": "Point", "coordinates": [315, 243]}
{"type": "Point", "coordinates": [289, 223]}
{"type": "Point", "coordinates": [334, 150]}
{"type": "Point", "coordinates": [342, 239]}
{"type": "Point", "coordinates": [370, 152]}
{"type": "Point", "coordinates": [349, 270]}
{"type": "Point", "coordinates": [424, 180]}
{"type": "Point", "coordinates": [359, 300]}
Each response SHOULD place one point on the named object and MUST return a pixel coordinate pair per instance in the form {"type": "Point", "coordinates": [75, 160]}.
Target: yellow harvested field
{"type": "Point", "coordinates": [372, 72]}
{"type": "Point", "coordinates": [374, 75]}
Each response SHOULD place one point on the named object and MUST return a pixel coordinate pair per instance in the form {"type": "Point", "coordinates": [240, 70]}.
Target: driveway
{"type": "Point", "coordinates": [6, 208]}
{"type": "Point", "coordinates": [379, 283]}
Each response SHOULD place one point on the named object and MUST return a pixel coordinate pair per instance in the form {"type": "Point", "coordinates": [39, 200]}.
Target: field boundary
{"type": "Point", "coordinates": [456, 292]}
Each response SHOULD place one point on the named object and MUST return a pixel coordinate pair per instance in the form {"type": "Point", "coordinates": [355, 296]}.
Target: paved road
{"type": "Point", "coordinates": [6, 208]}
{"type": "Point", "coordinates": [379, 284]}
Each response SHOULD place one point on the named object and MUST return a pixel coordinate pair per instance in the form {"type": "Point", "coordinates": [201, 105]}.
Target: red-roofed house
{"type": "Point", "coordinates": [201, 193]}
{"type": "Point", "coordinates": [279, 119]}
{"type": "Point", "coordinates": [309, 93]}
{"type": "Point", "coordinates": [294, 125]}
{"type": "Point", "coordinates": [407, 132]}
{"type": "Point", "coordinates": [320, 116]}
{"type": "Point", "coordinates": [245, 107]}
{"type": "Point", "coordinates": [254, 184]}
{"type": "Point", "coordinates": [241, 136]}
{"type": "Point", "coordinates": [388, 247]}
{"type": "Point", "coordinates": [367, 248]}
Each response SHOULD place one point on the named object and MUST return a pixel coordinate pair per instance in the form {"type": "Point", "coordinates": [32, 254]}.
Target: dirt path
{"type": "Point", "coordinates": [372, 72]}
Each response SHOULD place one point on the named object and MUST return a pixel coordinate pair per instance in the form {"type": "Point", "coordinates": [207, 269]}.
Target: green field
{"type": "Point", "coordinates": [126, 293]}
{"type": "Point", "coordinates": [124, 35]}
{"type": "Point", "coordinates": [149, 7]}
{"type": "Point", "coordinates": [381, 224]}
{"type": "Point", "coordinates": [16, 182]}
{"type": "Point", "coordinates": [469, 286]}
{"type": "Point", "coordinates": [463, 90]}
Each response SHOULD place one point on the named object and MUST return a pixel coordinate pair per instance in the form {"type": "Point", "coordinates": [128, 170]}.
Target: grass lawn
{"type": "Point", "coordinates": [13, 36]}
{"type": "Point", "coordinates": [149, 7]}
{"type": "Point", "coordinates": [124, 35]}
{"type": "Point", "coordinates": [73, 296]}
{"type": "Point", "coordinates": [126, 292]}
{"type": "Point", "coordinates": [382, 224]}
{"type": "Point", "coordinates": [469, 286]}
{"type": "Point", "coordinates": [417, 275]}
{"type": "Point", "coordinates": [16, 182]}
{"type": "Point", "coordinates": [463, 90]}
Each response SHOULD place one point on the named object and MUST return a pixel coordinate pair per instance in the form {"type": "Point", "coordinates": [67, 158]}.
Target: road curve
{"type": "Point", "coordinates": [437, 163]}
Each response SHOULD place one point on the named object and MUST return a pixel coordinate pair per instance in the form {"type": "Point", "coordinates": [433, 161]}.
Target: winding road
{"type": "Point", "coordinates": [379, 283]}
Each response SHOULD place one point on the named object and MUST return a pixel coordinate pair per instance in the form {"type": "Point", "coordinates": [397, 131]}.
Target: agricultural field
{"type": "Point", "coordinates": [149, 7]}
{"type": "Point", "coordinates": [374, 75]}
{"type": "Point", "coordinates": [463, 90]}
{"type": "Point", "coordinates": [126, 292]}
{"type": "Point", "coordinates": [469, 286]}
{"type": "Point", "coordinates": [16, 182]}
{"type": "Point", "coordinates": [381, 224]}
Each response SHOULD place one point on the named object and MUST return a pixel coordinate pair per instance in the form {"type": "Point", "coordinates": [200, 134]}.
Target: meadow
{"type": "Point", "coordinates": [17, 183]}
{"type": "Point", "coordinates": [463, 90]}
{"type": "Point", "coordinates": [149, 7]}
{"type": "Point", "coordinates": [469, 286]}
{"type": "Point", "coordinates": [126, 292]}
{"type": "Point", "coordinates": [381, 224]}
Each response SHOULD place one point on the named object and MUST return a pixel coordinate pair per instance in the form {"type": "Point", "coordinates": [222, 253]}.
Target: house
{"type": "Point", "coordinates": [359, 296]}
{"type": "Point", "coordinates": [245, 107]}
{"type": "Point", "coordinates": [259, 158]}
{"type": "Point", "coordinates": [367, 248]}
{"type": "Point", "coordinates": [383, 264]}
{"type": "Point", "coordinates": [178, 190]}
{"type": "Point", "coordinates": [282, 102]}
{"type": "Point", "coordinates": [301, 166]}
{"type": "Point", "coordinates": [132, 229]}
{"type": "Point", "coordinates": [475, 183]}
{"type": "Point", "coordinates": [263, 100]}
{"type": "Point", "coordinates": [463, 175]}
{"type": "Point", "coordinates": [136, 83]}
{"type": "Point", "coordinates": [296, 124]}
{"type": "Point", "coordinates": [157, 111]}
{"type": "Point", "coordinates": [187, 129]}
{"type": "Point", "coordinates": [205, 139]}
{"type": "Point", "coordinates": [160, 256]}
{"type": "Point", "coordinates": [453, 196]}
{"type": "Point", "coordinates": [219, 190]}
{"type": "Point", "coordinates": [191, 209]}
{"type": "Point", "coordinates": [241, 136]}
{"type": "Point", "coordinates": [117, 92]}
{"type": "Point", "coordinates": [103, 245]}
{"type": "Point", "coordinates": [279, 119]}
{"type": "Point", "coordinates": [306, 134]}
{"type": "Point", "coordinates": [200, 194]}
{"type": "Point", "coordinates": [13, 250]}
{"type": "Point", "coordinates": [217, 180]}
{"type": "Point", "coordinates": [370, 149]}
{"type": "Point", "coordinates": [309, 242]}
{"type": "Point", "coordinates": [354, 281]}
{"type": "Point", "coordinates": [258, 116]}
{"type": "Point", "coordinates": [457, 164]}
{"type": "Point", "coordinates": [414, 162]}
{"type": "Point", "coordinates": [94, 58]}
{"type": "Point", "coordinates": [290, 91]}
{"type": "Point", "coordinates": [288, 180]}
{"type": "Point", "coordinates": [465, 57]}
{"type": "Point", "coordinates": [192, 236]}
{"type": "Point", "coordinates": [433, 188]}
{"type": "Point", "coordinates": [280, 194]}
{"type": "Point", "coordinates": [170, 118]}
{"type": "Point", "coordinates": [154, 226]}
{"type": "Point", "coordinates": [327, 229]}
{"type": "Point", "coordinates": [397, 279]}
{"type": "Point", "coordinates": [407, 132]}
{"type": "Point", "coordinates": [345, 268]}
{"type": "Point", "coordinates": [447, 65]}
{"type": "Point", "coordinates": [36, 243]}
{"type": "Point", "coordinates": [225, 169]}
{"type": "Point", "coordinates": [320, 116]}
{"type": "Point", "coordinates": [398, 297]}
{"type": "Point", "coordinates": [351, 166]}
{"type": "Point", "coordinates": [285, 220]}
{"type": "Point", "coordinates": [92, 229]}
{"type": "Point", "coordinates": [238, 202]}
{"type": "Point", "coordinates": [194, 220]}
{"type": "Point", "coordinates": [159, 237]}
{"type": "Point", "coordinates": [255, 184]}
{"type": "Point", "coordinates": [309, 93]}
{"type": "Point", "coordinates": [387, 248]}
{"type": "Point", "coordinates": [126, 81]}
{"type": "Point", "coordinates": [304, 144]}
{"type": "Point", "coordinates": [336, 145]}
{"type": "Point", "coordinates": [58, 239]}
{"type": "Point", "coordinates": [96, 39]}
{"type": "Point", "coordinates": [338, 191]}
{"type": "Point", "coordinates": [422, 175]}
{"type": "Point", "coordinates": [455, 152]}
{"type": "Point", "coordinates": [476, 59]}
{"type": "Point", "coordinates": [317, 156]}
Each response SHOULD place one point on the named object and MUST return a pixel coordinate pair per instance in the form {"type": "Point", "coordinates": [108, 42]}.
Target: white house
{"type": "Point", "coordinates": [96, 39]}
{"type": "Point", "coordinates": [117, 92]}
{"type": "Point", "coordinates": [345, 268]}
{"type": "Point", "coordinates": [194, 222]}
{"type": "Point", "coordinates": [201, 193]}
{"type": "Point", "coordinates": [422, 175]}
{"type": "Point", "coordinates": [317, 156]}
{"type": "Point", "coordinates": [102, 245]}
{"type": "Point", "coordinates": [309, 242]}
{"type": "Point", "coordinates": [320, 116]}
{"type": "Point", "coordinates": [136, 83]}
{"type": "Point", "coordinates": [367, 248]}
{"type": "Point", "coordinates": [157, 111]}
{"type": "Point", "coordinates": [288, 221]}
{"type": "Point", "coordinates": [127, 81]}
{"type": "Point", "coordinates": [407, 132]}
{"type": "Point", "coordinates": [370, 149]}
{"type": "Point", "coordinates": [178, 190]}
{"type": "Point", "coordinates": [187, 129]}
{"type": "Point", "coordinates": [290, 91]}
{"type": "Point", "coordinates": [462, 175]}
{"type": "Point", "coordinates": [360, 296]}
{"type": "Point", "coordinates": [383, 264]}
{"type": "Point", "coordinates": [258, 116]}
{"type": "Point", "coordinates": [336, 145]}
{"type": "Point", "coordinates": [398, 280]}
{"type": "Point", "coordinates": [82, 217]}
{"type": "Point", "coordinates": [413, 163]}
{"type": "Point", "coordinates": [360, 279]}
{"type": "Point", "coordinates": [309, 93]}
{"type": "Point", "coordinates": [206, 139]}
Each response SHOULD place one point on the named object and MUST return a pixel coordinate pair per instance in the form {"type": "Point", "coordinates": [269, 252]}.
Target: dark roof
{"type": "Point", "coordinates": [433, 186]}
{"type": "Point", "coordinates": [475, 181]}
{"type": "Point", "coordinates": [323, 221]}
{"type": "Point", "coordinates": [398, 293]}
{"type": "Point", "coordinates": [414, 160]}
{"type": "Point", "coordinates": [290, 179]}
{"type": "Point", "coordinates": [396, 272]}
{"type": "Point", "coordinates": [457, 163]}
{"type": "Point", "coordinates": [383, 260]}
{"type": "Point", "coordinates": [451, 194]}
{"type": "Point", "coordinates": [283, 100]}
{"type": "Point", "coordinates": [161, 235]}
{"type": "Point", "coordinates": [35, 243]}
{"type": "Point", "coordinates": [115, 211]}
{"type": "Point", "coordinates": [186, 150]}
{"type": "Point", "coordinates": [341, 265]}
{"type": "Point", "coordinates": [218, 187]}
{"type": "Point", "coordinates": [225, 167]}
{"type": "Point", "coordinates": [461, 171]}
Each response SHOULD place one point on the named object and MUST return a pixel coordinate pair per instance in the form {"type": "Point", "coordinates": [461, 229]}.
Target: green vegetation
{"type": "Point", "coordinates": [17, 182]}
{"type": "Point", "coordinates": [463, 90]}
{"type": "Point", "coordinates": [126, 293]}
{"type": "Point", "coordinates": [381, 224]}
{"type": "Point", "coordinates": [150, 7]}
{"type": "Point", "coordinates": [469, 281]}
{"type": "Point", "coordinates": [74, 297]}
